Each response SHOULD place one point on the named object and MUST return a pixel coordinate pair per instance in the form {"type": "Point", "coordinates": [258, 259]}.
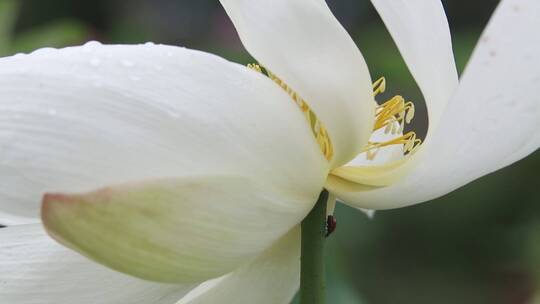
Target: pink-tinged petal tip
{"type": "Point", "coordinates": [51, 204]}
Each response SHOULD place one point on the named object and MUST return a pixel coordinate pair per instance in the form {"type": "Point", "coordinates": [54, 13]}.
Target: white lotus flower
{"type": "Point", "coordinates": [205, 168]}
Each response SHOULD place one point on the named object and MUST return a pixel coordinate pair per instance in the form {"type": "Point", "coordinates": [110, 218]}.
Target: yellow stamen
{"type": "Point", "coordinates": [392, 115]}
{"type": "Point", "coordinates": [394, 111]}
{"type": "Point", "coordinates": [319, 131]}
{"type": "Point", "coordinates": [379, 86]}
{"type": "Point", "coordinates": [409, 141]}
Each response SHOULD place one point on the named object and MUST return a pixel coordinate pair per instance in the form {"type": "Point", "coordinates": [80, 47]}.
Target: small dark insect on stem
{"type": "Point", "coordinates": [331, 225]}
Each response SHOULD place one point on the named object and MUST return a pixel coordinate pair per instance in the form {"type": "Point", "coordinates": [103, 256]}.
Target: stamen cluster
{"type": "Point", "coordinates": [392, 115]}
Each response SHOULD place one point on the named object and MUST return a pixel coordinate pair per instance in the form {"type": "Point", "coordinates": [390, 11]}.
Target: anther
{"type": "Point", "coordinates": [379, 86]}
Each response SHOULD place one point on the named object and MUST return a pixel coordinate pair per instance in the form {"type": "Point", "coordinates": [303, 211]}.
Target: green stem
{"type": "Point", "coordinates": [312, 275]}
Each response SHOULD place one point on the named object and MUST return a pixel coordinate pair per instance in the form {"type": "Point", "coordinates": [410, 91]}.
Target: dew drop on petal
{"type": "Point", "coordinates": [43, 51]}
{"type": "Point", "coordinates": [92, 43]}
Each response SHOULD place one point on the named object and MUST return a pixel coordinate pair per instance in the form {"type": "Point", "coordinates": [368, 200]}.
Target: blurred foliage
{"type": "Point", "coordinates": [471, 246]}
{"type": "Point", "coordinates": [57, 33]}
{"type": "Point", "coordinates": [8, 12]}
{"type": "Point", "coordinates": [479, 244]}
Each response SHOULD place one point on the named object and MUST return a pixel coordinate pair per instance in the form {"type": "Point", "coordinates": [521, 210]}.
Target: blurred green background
{"type": "Point", "coordinates": [480, 244]}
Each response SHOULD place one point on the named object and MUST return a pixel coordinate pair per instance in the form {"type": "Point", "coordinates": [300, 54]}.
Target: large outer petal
{"type": "Point", "coordinates": [36, 270]}
{"type": "Point", "coordinates": [420, 30]}
{"type": "Point", "coordinates": [7, 219]}
{"type": "Point", "coordinates": [489, 124]}
{"type": "Point", "coordinates": [174, 230]}
{"type": "Point", "coordinates": [77, 119]}
{"type": "Point", "coordinates": [272, 278]}
{"type": "Point", "coordinates": [303, 43]}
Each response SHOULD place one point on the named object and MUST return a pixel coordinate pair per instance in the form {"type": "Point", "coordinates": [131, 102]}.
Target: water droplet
{"type": "Point", "coordinates": [92, 43]}
{"type": "Point", "coordinates": [43, 50]}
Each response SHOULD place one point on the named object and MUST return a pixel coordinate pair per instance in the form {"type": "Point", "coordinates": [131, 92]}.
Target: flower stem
{"type": "Point", "coordinates": [312, 275]}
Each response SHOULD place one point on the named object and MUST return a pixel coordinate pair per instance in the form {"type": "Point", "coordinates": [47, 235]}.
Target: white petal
{"type": "Point", "coordinates": [489, 124]}
{"type": "Point", "coordinates": [273, 278]}
{"type": "Point", "coordinates": [175, 230]}
{"type": "Point", "coordinates": [420, 30]}
{"type": "Point", "coordinates": [36, 270]}
{"type": "Point", "coordinates": [303, 43]}
{"type": "Point", "coordinates": [77, 119]}
{"type": "Point", "coordinates": [7, 219]}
